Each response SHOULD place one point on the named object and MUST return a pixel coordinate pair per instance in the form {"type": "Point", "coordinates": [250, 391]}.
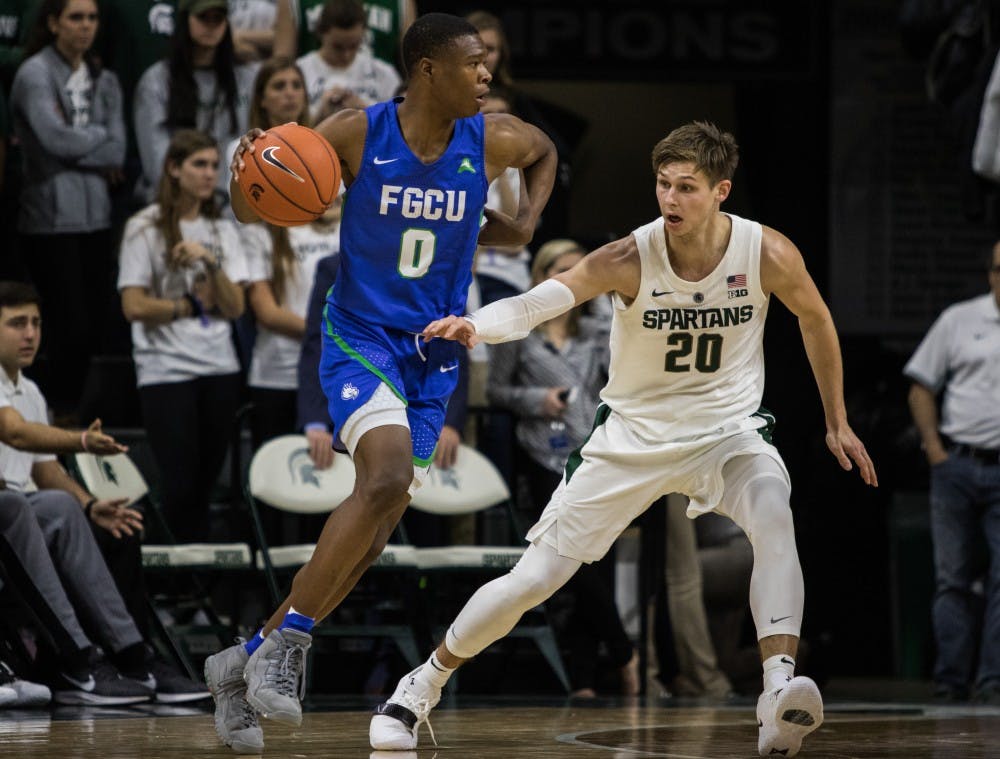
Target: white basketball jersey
{"type": "Point", "coordinates": [687, 358]}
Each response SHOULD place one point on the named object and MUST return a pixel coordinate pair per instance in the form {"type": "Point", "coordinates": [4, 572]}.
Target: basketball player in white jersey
{"type": "Point", "coordinates": [680, 413]}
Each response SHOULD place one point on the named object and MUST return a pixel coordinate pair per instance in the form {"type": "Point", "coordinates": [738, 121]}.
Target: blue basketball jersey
{"type": "Point", "coordinates": [409, 230]}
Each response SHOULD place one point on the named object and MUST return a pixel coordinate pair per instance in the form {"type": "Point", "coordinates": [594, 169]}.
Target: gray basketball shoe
{"type": "Point", "coordinates": [235, 721]}
{"type": "Point", "coordinates": [275, 676]}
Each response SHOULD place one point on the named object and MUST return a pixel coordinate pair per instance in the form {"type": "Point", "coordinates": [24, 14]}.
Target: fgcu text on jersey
{"type": "Point", "coordinates": [409, 230]}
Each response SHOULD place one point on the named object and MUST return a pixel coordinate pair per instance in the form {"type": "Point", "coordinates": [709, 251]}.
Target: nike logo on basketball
{"type": "Point", "coordinates": [87, 685]}
{"type": "Point", "coordinates": [268, 155]}
{"type": "Point", "coordinates": [382, 161]}
{"type": "Point", "coordinates": [779, 619]}
{"type": "Point", "coordinates": [658, 293]}
{"type": "Point", "coordinates": [444, 369]}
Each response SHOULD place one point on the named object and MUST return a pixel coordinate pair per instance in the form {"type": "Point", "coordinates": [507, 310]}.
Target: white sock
{"type": "Point", "coordinates": [778, 670]}
{"type": "Point", "coordinates": [434, 672]}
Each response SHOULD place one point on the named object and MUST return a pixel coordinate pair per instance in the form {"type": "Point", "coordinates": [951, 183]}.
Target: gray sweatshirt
{"type": "Point", "coordinates": [152, 135]}
{"type": "Point", "coordinates": [64, 190]}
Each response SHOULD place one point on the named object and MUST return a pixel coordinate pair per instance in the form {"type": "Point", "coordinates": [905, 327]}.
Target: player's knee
{"type": "Point", "coordinates": [771, 515]}
{"type": "Point", "coordinates": [387, 489]}
{"type": "Point", "coordinates": [528, 591]}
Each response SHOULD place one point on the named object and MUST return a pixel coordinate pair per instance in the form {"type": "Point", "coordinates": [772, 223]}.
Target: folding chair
{"type": "Point", "coordinates": [108, 477]}
{"type": "Point", "coordinates": [472, 485]}
{"type": "Point", "coordinates": [282, 476]}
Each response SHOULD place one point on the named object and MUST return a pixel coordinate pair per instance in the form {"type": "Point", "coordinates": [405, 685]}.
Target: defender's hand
{"type": "Point", "coordinates": [846, 446]}
{"type": "Point", "coordinates": [456, 328]}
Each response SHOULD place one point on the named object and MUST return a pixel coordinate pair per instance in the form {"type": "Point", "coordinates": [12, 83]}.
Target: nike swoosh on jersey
{"type": "Point", "coordinates": [381, 161]}
{"type": "Point", "coordinates": [658, 293]}
{"type": "Point", "coordinates": [443, 369]}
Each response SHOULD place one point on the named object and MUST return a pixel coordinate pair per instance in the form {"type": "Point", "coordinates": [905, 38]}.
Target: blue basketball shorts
{"type": "Point", "coordinates": [358, 357]}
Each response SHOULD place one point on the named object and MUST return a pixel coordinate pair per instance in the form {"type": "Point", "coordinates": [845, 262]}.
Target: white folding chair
{"type": "Point", "coordinates": [115, 477]}
{"type": "Point", "coordinates": [472, 485]}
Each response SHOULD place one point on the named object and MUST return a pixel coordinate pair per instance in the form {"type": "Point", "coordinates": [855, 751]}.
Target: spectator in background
{"type": "Point", "coordinates": [296, 20]}
{"type": "Point", "coordinates": [253, 28]}
{"type": "Point", "coordinates": [281, 262]}
{"type": "Point", "coordinates": [16, 18]}
{"type": "Point", "coordinates": [341, 73]}
{"type": "Point", "coordinates": [67, 115]}
{"type": "Point", "coordinates": [200, 86]}
{"type": "Point", "coordinates": [47, 537]}
{"type": "Point", "coordinates": [181, 276]}
{"type": "Point", "coordinates": [960, 356]}
{"type": "Point", "coordinates": [551, 381]}
{"type": "Point", "coordinates": [563, 127]}
{"type": "Point", "coordinates": [502, 271]}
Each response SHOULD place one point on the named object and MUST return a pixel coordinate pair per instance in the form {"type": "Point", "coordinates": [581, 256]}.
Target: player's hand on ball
{"type": "Point", "coordinates": [245, 146]}
{"type": "Point", "coordinates": [456, 328]}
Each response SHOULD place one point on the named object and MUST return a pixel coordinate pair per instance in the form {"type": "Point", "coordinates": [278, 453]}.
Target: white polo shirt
{"type": "Point", "coordinates": [25, 397]}
{"type": "Point", "coordinates": [961, 354]}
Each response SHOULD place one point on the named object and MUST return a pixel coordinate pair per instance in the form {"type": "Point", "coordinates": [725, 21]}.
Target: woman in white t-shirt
{"type": "Point", "coordinates": [181, 281]}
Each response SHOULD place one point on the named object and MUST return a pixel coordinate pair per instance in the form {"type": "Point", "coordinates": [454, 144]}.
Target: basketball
{"type": "Point", "coordinates": [292, 176]}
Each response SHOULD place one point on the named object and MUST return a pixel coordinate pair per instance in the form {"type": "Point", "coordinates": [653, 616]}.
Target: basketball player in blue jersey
{"type": "Point", "coordinates": [417, 170]}
{"type": "Point", "coordinates": [680, 414]}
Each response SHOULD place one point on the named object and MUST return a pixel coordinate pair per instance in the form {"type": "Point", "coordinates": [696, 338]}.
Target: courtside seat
{"type": "Point", "coordinates": [115, 477]}
{"type": "Point", "coordinates": [468, 557]}
{"type": "Point", "coordinates": [197, 556]}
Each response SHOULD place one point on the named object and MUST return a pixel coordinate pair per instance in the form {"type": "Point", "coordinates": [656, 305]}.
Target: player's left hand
{"type": "Point", "coordinates": [447, 448]}
{"type": "Point", "coordinates": [846, 446]}
{"type": "Point", "coordinates": [452, 328]}
{"type": "Point", "coordinates": [112, 515]}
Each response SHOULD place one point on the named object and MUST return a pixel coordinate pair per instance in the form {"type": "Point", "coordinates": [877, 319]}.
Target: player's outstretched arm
{"type": "Point", "coordinates": [783, 272]}
{"type": "Point", "coordinates": [513, 143]}
{"type": "Point", "coordinates": [611, 267]}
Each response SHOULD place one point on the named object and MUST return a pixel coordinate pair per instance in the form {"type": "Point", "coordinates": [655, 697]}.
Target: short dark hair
{"type": "Point", "coordinates": [341, 14]}
{"type": "Point", "coordinates": [14, 294]}
{"type": "Point", "coordinates": [430, 34]}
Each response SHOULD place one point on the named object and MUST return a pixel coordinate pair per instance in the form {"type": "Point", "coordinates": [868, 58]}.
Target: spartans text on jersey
{"type": "Point", "coordinates": [696, 318]}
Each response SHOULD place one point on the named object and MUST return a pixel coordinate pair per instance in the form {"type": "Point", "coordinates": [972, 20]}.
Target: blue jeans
{"type": "Point", "coordinates": [965, 502]}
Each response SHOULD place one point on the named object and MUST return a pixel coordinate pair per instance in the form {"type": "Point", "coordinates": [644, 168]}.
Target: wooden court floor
{"type": "Point", "coordinates": [612, 730]}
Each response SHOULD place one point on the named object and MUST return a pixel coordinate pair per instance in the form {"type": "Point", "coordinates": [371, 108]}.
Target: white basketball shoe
{"type": "Point", "coordinates": [786, 715]}
{"type": "Point", "coordinates": [396, 722]}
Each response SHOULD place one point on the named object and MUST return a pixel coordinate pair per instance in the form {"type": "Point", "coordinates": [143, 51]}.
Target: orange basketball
{"type": "Point", "coordinates": [292, 176]}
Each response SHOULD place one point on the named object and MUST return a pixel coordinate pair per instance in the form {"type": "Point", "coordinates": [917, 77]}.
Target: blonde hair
{"type": "Point", "coordinates": [545, 258]}
{"type": "Point", "coordinates": [712, 151]}
{"type": "Point", "coordinates": [549, 253]}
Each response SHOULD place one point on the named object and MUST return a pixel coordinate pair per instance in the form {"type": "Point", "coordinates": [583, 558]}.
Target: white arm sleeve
{"type": "Point", "coordinates": [513, 318]}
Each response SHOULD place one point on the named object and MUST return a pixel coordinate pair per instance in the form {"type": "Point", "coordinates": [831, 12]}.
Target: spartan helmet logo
{"type": "Point", "coordinates": [256, 191]}
{"type": "Point", "coordinates": [301, 468]}
{"type": "Point", "coordinates": [109, 472]}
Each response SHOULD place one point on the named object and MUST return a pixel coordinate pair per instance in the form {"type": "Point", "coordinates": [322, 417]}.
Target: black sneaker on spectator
{"type": "Point", "coordinates": [25, 693]}
{"type": "Point", "coordinates": [101, 685]}
{"type": "Point", "coordinates": [172, 687]}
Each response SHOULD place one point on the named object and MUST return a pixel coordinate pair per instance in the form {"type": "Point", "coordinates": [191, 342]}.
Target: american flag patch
{"type": "Point", "coordinates": [734, 281]}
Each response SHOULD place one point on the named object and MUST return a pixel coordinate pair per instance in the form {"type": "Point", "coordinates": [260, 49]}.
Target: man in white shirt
{"type": "Point", "coordinates": [48, 550]}
{"type": "Point", "coordinates": [960, 357]}
{"type": "Point", "coordinates": [343, 73]}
